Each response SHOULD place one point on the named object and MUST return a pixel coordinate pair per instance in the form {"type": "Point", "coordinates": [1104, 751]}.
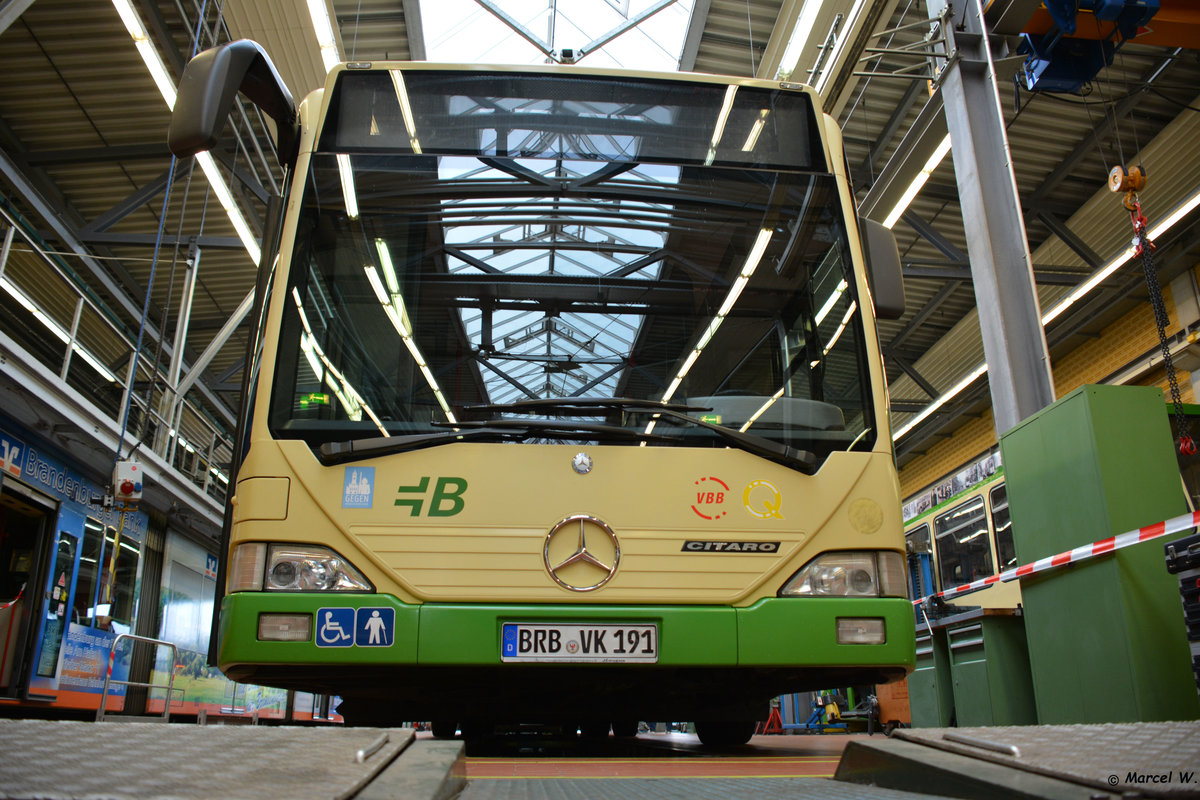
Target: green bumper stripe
{"type": "Point", "coordinates": [773, 632]}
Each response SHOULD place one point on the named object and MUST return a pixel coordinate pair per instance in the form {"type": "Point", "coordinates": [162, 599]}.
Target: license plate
{"type": "Point", "coordinates": [558, 641]}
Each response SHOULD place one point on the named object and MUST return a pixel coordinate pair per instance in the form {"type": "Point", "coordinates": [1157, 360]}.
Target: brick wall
{"type": "Point", "coordinates": [1118, 344]}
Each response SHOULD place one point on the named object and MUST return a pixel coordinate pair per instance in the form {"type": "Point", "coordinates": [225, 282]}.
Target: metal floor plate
{"type": "Point", "coordinates": [120, 761]}
{"type": "Point", "coordinates": [677, 789]}
{"type": "Point", "coordinates": [1153, 758]}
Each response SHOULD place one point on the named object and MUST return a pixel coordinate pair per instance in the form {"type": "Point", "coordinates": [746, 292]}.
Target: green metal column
{"type": "Point", "coordinates": [1105, 641]}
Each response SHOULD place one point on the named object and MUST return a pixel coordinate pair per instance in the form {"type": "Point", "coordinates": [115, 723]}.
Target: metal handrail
{"type": "Point", "coordinates": [121, 341]}
{"type": "Point", "coordinates": [170, 687]}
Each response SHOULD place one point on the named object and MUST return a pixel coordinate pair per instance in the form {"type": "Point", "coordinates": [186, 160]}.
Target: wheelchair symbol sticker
{"type": "Point", "coordinates": [335, 627]}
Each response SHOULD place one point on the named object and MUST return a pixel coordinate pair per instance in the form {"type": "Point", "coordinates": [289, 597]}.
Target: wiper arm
{"type": "Point", "coordinates": [496, 430]}
{"type": "Point", "coordinates": [358, 449]}
{"type": "Point", "coordinates": [550, 428]}
{"type": "Point", "coordinates": [581, 406]}
{"type": "Point", "coordinates": [590, 406]}
{"type": "Point", "coordinates": [759, 446]}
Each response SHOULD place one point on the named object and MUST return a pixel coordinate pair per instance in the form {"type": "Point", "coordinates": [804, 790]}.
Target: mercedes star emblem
{"type": "Point", "coordinates": [582, 463]}
{"type": "Point", "coordinates": [595, 556]}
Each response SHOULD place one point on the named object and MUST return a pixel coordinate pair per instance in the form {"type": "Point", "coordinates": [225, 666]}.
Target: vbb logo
{"type": "Point", "coordinates": [710, 498]}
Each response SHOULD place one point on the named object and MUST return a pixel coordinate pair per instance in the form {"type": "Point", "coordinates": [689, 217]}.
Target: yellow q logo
{"type": "Point", "coordinates": [763, 500]}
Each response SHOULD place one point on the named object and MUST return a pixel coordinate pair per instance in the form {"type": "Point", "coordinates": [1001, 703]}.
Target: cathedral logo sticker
{"type": "Point", "coordinates": [359, 487]}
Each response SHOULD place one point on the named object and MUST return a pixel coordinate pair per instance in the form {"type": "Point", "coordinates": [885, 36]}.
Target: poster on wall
{"type": "Point", "coordinates": [186, 603]}
{"type": "Point", "coordinates": [85, 660]}
{"type": "Point", "coordinates": [58, 603]}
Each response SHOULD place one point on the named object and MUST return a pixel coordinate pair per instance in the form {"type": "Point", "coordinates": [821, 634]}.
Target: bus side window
{"type": "Point", "coordinates": [128, 556]}
{"type": "Point", "coordinates": [920, 557]}
{"type": "Point", "coordinates": [89, 573]}
{"type": "Point", "coordinates": [964, 550]}
{"type": "Point", "coordinates": [918, 541]}
{"type": "Point", "coordinates": [1002, 525]}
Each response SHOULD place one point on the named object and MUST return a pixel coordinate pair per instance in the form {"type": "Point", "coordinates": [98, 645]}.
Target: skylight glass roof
{"type": "Point", "coordinates": [465, 31]}
{"type": "Point", "coordinates": [574, 354]}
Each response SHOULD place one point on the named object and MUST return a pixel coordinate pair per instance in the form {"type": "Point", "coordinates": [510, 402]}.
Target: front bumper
{"type": "Point", "coordinates": [774, 632]}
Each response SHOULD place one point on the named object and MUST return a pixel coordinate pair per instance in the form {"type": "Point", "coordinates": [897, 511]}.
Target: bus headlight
{"type": "Point", "coordinates": [865, 573]}
{"type": "Point", "coordinates": [255, 566]}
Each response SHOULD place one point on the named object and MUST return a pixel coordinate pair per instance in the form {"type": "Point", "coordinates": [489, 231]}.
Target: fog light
{"type": "Point", "coordinates": [289, 627]}
{"type": "Point", "coordinates": [861, 630]}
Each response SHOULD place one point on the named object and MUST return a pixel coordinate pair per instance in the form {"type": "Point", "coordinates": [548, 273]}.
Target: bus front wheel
{"type": "Point", "coordinates": [724, 733]}
{"type": "Point", "coordinates": [444, 728]}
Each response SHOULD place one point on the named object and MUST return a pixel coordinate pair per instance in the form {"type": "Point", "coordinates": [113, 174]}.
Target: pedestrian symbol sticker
{"type": "Point", "coordinates": [335, 627]}
{"type": "Point", "coordinates": [375, 627]}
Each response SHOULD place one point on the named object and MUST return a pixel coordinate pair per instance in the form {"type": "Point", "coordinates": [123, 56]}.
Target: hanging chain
{"type": "Point", "coordinates": [1131, 183]}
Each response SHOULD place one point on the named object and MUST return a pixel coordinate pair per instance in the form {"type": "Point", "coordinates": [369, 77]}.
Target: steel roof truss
{"type": "Point", "coordinates": [134, 200]}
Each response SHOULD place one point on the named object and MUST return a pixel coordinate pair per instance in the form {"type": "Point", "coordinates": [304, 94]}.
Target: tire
{"type": "Point", "coordinates": [625, 729]}
{"type": "Point", "coordinates": [444, 728]}
{"type": "Point", "coordinates": [725, 733]}
{"type": "Point", "coordinates": [593, 730]}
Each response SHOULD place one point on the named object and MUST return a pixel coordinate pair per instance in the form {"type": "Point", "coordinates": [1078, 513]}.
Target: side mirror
{"type": "Point", "coordinates": [885, 276]}
{"type": "Point", "coordinates": [207, 89]}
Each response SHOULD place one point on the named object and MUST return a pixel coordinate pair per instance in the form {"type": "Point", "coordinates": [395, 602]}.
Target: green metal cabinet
{"type": "Point", "coordinates": [930, 694]}
{"type": "Point", "coordinates": [989, 668]}
{"type": "Point", "coordinates": [1105, 642]}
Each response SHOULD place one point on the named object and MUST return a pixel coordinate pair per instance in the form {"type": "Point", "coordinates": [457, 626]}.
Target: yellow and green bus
{"type": "Point", "coordinates": [566, 402]}
{"type": "Point", "coordinates": [958, 531]}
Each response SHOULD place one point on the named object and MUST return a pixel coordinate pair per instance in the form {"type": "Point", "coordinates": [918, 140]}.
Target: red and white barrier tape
{"type": "Point", "coordinates": [12, 602]}
{"type": "Point", "coordinates": [1109, 545]}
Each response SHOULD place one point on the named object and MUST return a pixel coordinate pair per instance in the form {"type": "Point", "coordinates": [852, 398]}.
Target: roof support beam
{"type": "Point", "coordinates": [84, 155]}
{"type": "Point", "coordinates": [150, 239]}
{"type": "Point", "coordinates": [509, 379]}
{"type": "Point", "coordinates": [695, 30]}
{"type": "Point", "coordinates": [599, 379]}
{"type": "Point", "coordinates": [1102, 131]}
{"type": "Point", "coordinates": [67, 235]}
{"type": "Point", "coordinates": [624, 27]}
{"type": "Point", "coordinates": [893, 124]}
{"type": "Point", "coordinates": [251, 182]}
{"type": "Point", "coordinates": [1077, 245]}
{"type": "Point", "coordinates": [923, 314]}
{"type": "Point", "coordinates": [197, 369]}
{"type": "Point", "coordinates": [1043, 274]}
{"type": "Point", "coordinates": [911, 372]}
{"type": "Point", "coordinates": [931, 235]}
{"type": "Point", "coordinates": [641, 263]}
{"type": "Point", "coordinates": [11, 11]}
{"type": "Point", "coordinates": [518, 28]}
{"type": "Point", "coordinates": [918, 144]}
{"type": "Point", "coordinates": [415, 30]}
{"type": "Point", "coordinates": [478, 263]}
{"type": "Point", "coordinates": [133, 202]}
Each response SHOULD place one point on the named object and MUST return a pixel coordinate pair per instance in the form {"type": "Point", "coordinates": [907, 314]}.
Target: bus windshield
{"type": "Point", "coordinates": [476, 248]}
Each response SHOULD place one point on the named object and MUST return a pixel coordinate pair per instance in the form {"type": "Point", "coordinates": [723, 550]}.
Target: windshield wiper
{"type": "Point", "coordinates": [588, 406]}
{"type": "Point", "coordinates": [550, 428]}
{"type": "Point", "coordinates": [496, 430]}
{"type": "Point", "coordinates": [581, 406]}
{"type": "Point", "coordinates": [357, 449]}
{"type": "Point", "coordinates": [756, 445]}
